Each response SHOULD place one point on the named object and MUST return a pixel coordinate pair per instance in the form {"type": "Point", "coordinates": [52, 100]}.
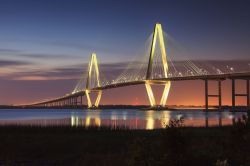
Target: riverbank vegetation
{"type": "Point", "coordinates": [175, 145]}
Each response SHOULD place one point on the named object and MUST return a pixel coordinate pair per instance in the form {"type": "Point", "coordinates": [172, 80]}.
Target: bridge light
{"type": "Point", "coordinates": [219, 71]}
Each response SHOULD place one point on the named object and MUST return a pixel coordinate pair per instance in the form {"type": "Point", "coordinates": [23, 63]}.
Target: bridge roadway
{"type": "Point", "coordinates": [232, 76]}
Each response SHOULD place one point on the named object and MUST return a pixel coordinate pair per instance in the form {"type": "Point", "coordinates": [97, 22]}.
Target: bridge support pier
{"type": "Point", "coordinates": [207, 95]}
{"type": "Point", "coordinates": [81, 100]}
{"type": "Point", "coordinates": [151, 94]}
{"type": "Point", "coordinates": [246, 94]}
{"type": "Point", "coordinates": [98, 98]}
{"type": "Point", "coordinates": [75, 98]}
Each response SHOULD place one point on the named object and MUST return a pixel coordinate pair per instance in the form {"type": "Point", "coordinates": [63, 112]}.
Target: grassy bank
{"type": "Point", "coordinates": [104, 146]}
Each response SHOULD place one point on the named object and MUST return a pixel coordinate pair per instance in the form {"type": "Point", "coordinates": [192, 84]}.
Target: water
{"type": "Point", "coordinates": [129, 118]}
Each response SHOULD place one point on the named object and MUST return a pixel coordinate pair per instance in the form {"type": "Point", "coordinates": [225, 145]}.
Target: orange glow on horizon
{"type": "Point", "coordinates": [184, 93]}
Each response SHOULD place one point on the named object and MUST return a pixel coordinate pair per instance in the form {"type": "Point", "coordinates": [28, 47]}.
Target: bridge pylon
{"type": "Point", "coordinates": [93, 67]}
{"type": "Point", "coordinates": [157, 36]}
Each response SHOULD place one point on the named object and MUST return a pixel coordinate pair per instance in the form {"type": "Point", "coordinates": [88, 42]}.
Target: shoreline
{"type": "Point", "coordinates": [104, 146]}
{"type": "Point", "coordinates": [140, 108]}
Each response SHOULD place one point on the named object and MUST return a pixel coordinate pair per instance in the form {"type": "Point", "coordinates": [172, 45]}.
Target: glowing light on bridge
{"type": "Point", "coordinates": [155, 70]}
{"type": "Point", "coordinates": [158, 34]}
{"type": "Point", "coordinates": [93, 62]}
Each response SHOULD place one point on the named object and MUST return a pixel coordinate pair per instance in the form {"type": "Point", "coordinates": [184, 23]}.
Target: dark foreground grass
{"type": "Point", "coordinates": [95, 146]}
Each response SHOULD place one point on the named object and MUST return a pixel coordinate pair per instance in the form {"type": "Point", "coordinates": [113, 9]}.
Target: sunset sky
{"type": "Point", "coordinates": [45, 45]}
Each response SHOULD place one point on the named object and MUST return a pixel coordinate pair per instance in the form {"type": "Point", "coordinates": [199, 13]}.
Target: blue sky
{"type": "Point", "coordinates": [117, 29]}
{"type": "Point", "coordinates": [49, 36]}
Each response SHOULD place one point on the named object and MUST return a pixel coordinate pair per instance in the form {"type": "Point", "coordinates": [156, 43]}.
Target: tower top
{"type": "Point", "coordinates": [157, 38]}
{"type": "Point", "coordinates": [157, 24]}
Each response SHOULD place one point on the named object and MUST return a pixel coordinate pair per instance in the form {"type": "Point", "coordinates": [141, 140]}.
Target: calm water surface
{"type": "Point", "coordinates": [130, 118]}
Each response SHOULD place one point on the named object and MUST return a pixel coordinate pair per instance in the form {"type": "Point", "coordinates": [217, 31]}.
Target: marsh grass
{"type": "Point", "coordinates": [175, 145]}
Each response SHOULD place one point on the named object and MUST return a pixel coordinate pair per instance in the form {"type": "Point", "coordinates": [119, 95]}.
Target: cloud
{"type": "Point", "coordinates": [40, 78]}
{"type": "Point", "coordinates": [79, 46]}
{"type": "Point", "coordinates": [75, 45]}
{"type": "Point", "coordinates": [16, 52]}
{"type": "Point", "coordinates": [75, 72]}
{"type": "Point", "coordinates": [45, 56]}
{"type": "Point", "coordinates": [72, 72]}
{"type": "Point", "coordinates": [5, 63]}
{"type": "Point", "coordinates": [112, 70]}
{"type": "Point", "coordinates": [6, 50]}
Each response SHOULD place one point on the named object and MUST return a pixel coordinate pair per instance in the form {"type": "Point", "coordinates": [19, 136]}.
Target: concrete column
{"type": "Point", "coordinates": [206, 94]}
{"type": "Point", "coordinates": [233, 94]}
{"type": "Point", "coordinates": [248, 94]}
{"type": "Point", "coordinates": [219, 93]}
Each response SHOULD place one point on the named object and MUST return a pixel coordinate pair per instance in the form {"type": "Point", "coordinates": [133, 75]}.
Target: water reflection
{"type": "Point", "coordinates": [150, 120]}
{"type": "Point", "coordinates": [132, 119]}
{"type": "Point", "coordinates": [165, 117]}
{"type": "Point", "coordinates": [89, 120]}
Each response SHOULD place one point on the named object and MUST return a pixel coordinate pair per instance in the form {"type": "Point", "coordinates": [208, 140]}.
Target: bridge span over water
{"type": "Point", "coordinates": [93, 83]}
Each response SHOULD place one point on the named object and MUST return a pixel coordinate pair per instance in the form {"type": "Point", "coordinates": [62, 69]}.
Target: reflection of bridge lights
{"type": "Point", "coordinates": [165, 117]}
{"type": "Point", "coordinates": [113, 116]}
{"type": "Point", "coordinates": [74, 121]}
{"type": "Point", "coordinates": [150, 121]}
{"type": "Point", "coordinates": [179, 116]}
{"type": "Point", "coordinates": [98, 122]}
{"type": "Point", "coordinates": [124, 115]}
{"type": "Point", "coordinates": [87, 121]}
{"type": "Point", "coordinates": [150, 124]}
{"type": "Point", "coordinates": [77, 121]}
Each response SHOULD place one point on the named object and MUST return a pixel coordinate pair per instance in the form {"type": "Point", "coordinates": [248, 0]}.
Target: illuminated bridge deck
{"type": "Point", "coordinates": [242, 75]}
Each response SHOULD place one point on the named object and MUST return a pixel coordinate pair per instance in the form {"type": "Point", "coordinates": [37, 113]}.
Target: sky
{"type": "Point", "coordinates": [45, 45]}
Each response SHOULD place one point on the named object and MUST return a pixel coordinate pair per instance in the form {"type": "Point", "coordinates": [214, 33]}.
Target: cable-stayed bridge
{"type": "Point", "coordinates": [157, 67]}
